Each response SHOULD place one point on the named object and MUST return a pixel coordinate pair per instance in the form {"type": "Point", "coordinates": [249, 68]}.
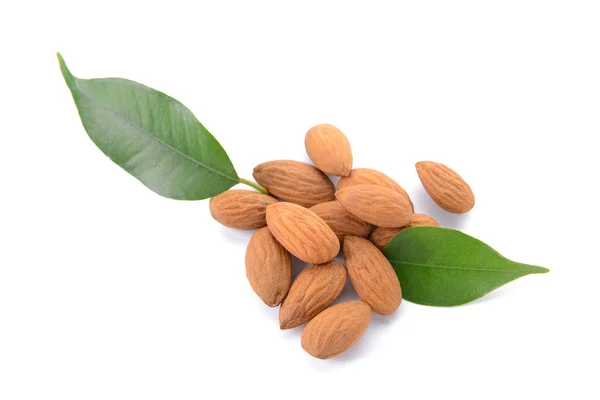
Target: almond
{"type": "Point", "coordinates": [381, 236]}
{"type": "Point", "coordinates": [367, 176]}
{"type": "Point", "coordinates": [329, 149]}
{"type": "Point", "coordinates": [376, 205]}
{"type": "Point", "coordinates": [336, 329]}
{"type": "Point", "coordinates": [313, 290]}
{"type": "Point", "coordinates": [341, 221]}
{"type": "Point", "coordinates": [302, 232]}
{"type": "Point", "coordinates": [268, 267]}
{"type": "Point", "coordinates": [372, 275]}
{"type": "Point", "coordinates": [241, 209]}
{"type": "Point", "coordinates": [295, 181]}
{"type": "Point", "coordinates": [446, 187]}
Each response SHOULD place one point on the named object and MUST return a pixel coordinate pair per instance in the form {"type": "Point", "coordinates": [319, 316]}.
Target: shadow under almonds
{"type": "Point", "coordinates": [297, 267]}
{"type": "Point", "coordinates": [424, 204]}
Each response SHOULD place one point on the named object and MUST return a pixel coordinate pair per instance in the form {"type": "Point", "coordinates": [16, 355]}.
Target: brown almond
{"type": "Point", "coordinates": [341, 221]}
{"type": "Point", "coordinates": [268, 267]}
{"type": "Point", "coordinates": [367, 176]}
{"type": "Point", "coordinates": [302, 232]}
{"type": "Point", "coordinates": [376, 205]}
{"type": "Point", "coordinates": [372, 275]}
{"type": "Point", "coordinates": [446, 187]}
{"type": "Point", "coordinates": [241, 209]}
{"type": "Point", "coordinates": [336, 329]}
{"type": "Point", "coordinates": [381, 236]}
{"type": "Point", "coordinates": [313, 290]}
{"type": "Point", "coordinates": [329, 149]}
{"type": "Point", "coordinates": [295, 181]}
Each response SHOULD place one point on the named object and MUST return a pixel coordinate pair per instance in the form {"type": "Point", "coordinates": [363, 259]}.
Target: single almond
{"type": "Point", "coordinates": [381, 236]}
{"type": "Point", "coordinates": [313, 290]}
{"type": "Point", "coordinates": [336, 329]}
{"type": "Point", "coordinates": [341, 221]}
{"type": "Point", "coordinates": [241, 209]}
{"type": "Point", "coordinates": [367, 176]}
{"type": "Point", "coordinates": [372, 275]}
{"type": "Point", "coordinates": [268, 267]}
{"type": "Point", "coordinates": [329, 149]}
{"type": "Point", "coordinates": [295, 181]}
{"type": "Point", "coordinates": [302, 232]}
{"type": "Point", "coordinates": [376, 205]}
{"type": "Point", "coordinates": [446, 187]}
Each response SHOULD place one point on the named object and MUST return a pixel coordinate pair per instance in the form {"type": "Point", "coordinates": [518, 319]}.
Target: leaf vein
{"type": "Point", "coordinates": [451, 267]}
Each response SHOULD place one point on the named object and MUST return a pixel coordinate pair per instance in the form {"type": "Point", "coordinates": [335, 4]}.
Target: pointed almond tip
{"type": "Point", "coordinates": [283, 325]}
{"type": "Point", "coordinates": [290, 315]}
{"type": "Point", "coordinates": [285, 321]}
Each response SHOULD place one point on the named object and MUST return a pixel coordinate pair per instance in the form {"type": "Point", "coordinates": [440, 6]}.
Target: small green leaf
{"type": "Point", "coordinates": [152, 136]}
{"type": "Point", "coordinates": [444, 267]}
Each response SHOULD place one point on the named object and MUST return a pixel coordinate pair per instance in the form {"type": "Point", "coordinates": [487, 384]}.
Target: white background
{"type": "Point", "coordinates": [108, 291]}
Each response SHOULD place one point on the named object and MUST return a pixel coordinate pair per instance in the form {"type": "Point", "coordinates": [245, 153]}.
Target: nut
{"type": "Point", "coordinates": [329, 149]}
{"type": "Point", "coordinates": [446, 187]}
{"type": "Point", "coordinates": [302, 232]}
{"type": "Point", "coordinates": [336, 329]}
{"type": "Point", "coordinates": [376, 205]}
{"type": "Point", "coordinates": [367, 176]}
{"type": "Point", "coordinates": [372, 275]}
{"type": "Point", "coordinates": [295, 181]}
{"type": "Point", "coordinates": [241, 209]}
{"type": "Point", "coordinates": [313, 290]}
{"type": "Point", "coordinates": [268, 267]}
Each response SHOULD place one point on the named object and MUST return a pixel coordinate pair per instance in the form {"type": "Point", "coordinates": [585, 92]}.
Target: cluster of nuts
{"type": "Point", "coordinates": [313, 221]}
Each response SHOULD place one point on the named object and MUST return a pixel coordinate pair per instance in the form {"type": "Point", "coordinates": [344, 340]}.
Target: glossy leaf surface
{"type": "Point", "coordinates": [152, 136]}
{"type": "Point", "coordinates": [445, 267]}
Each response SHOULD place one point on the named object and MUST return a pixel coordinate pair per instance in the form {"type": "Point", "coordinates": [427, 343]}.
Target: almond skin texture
{"type": "Point", "coordinates": [313, 290]}
{"type": "Point", "coordinates": [367, 176]}
{"type": "Point", "coordinates": [376, 205]}
{"type": "Point", "coordinates": [380, 236]}
{"type": "Point", "coordinates": [446, 187]}
{"type": "Point", "coordinates": [241, 209]}
{"type": "Point", "coordinates": [372, 275]}
{"type": "Point", "coordinates": [268, 267]}
{"type": "Point", "coordinates": [302, 232]}
{"type": "Point", "coordinates": [329, 149]}
{"type": "Point", "coordinates": [336, 329]}
{"type": "Point", "coordinates": [341, 221]}
{"type": "Point", "coordinates": [295, 181]}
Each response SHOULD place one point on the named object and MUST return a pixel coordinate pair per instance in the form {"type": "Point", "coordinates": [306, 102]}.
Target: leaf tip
{"type": "Point", "coordinates": [69, 78]}
{"type": "Point", "coordinates": [534, 269]}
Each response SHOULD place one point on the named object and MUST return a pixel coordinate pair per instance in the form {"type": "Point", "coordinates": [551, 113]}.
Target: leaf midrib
{"type": "Point", "coordinates": [459, 268]}
{"type": "Point", "coordinates": [149, 134]}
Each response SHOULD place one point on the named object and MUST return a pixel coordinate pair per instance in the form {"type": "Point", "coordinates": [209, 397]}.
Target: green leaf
{"type": "Point", "coordinates": [444, 267]}
{"type": "Point", "coordinates": [152, 136]}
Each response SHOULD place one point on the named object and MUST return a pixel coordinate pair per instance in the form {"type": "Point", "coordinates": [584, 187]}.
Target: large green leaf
{"type": "Point", "coordinates": [444, 267]}
{"type": "Point", "coordinates": [152, 136]}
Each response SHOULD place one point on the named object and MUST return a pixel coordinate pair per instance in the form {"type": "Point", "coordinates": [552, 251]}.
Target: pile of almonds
{"type": "Point", "coordinates": [313, 222]}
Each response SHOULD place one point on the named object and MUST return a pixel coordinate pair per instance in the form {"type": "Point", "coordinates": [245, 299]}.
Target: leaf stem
{"type": "Point", "coordinates": [254, 185]}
